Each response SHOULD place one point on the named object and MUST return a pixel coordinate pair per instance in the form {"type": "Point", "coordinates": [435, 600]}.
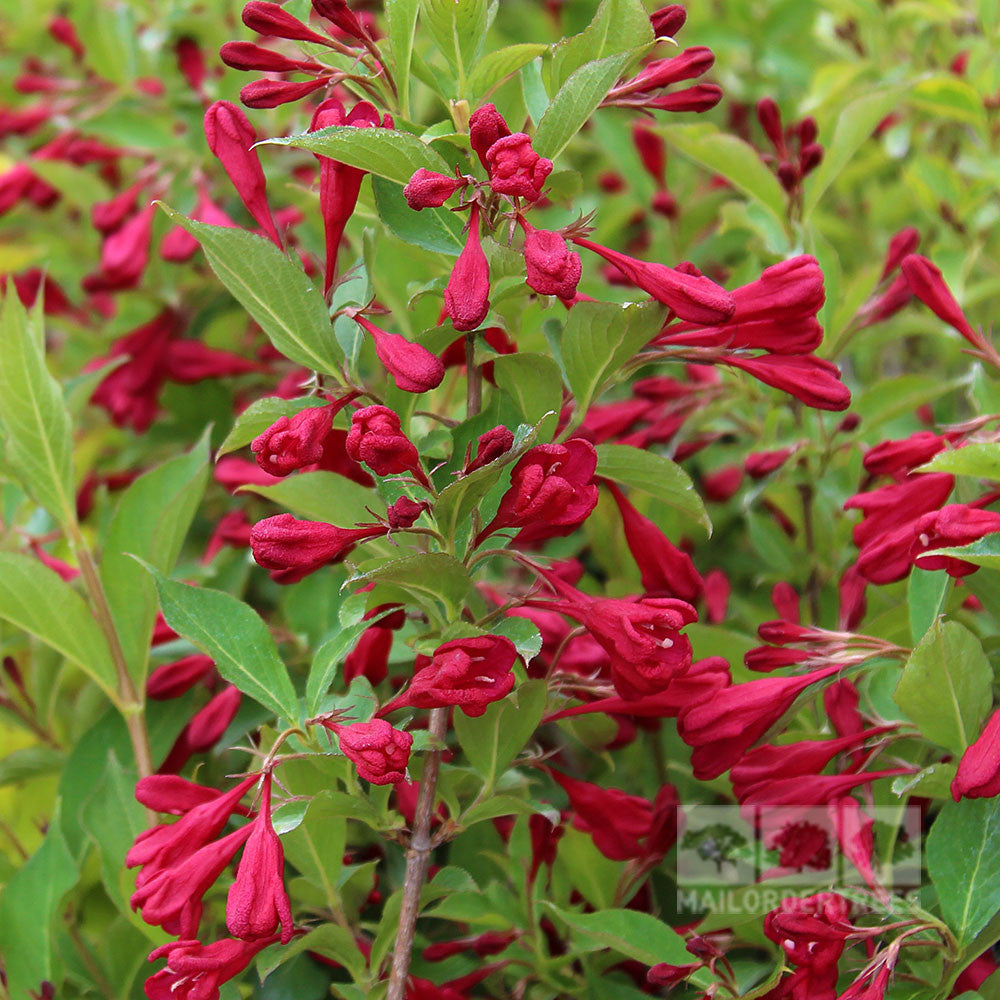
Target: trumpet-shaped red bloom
{"type": "Point", "coordinates": [467, 673]}
{"type": "Point", "coordinates": [169, 793]}
{"type": "Point", "coordinates": [257, 900]}
{"type": "Point", "coordinates": [552, 491]}
{"type": "Point", "coordinates": [377, 439]}
{"type": "Point", "coordinates": [892, 458]}
{"type": "Point", "coordinates": [467, 294]}
{"type": "Point", "coordinates": [412, 367]}
{"type": "Point", "coordinates": [195, 971]}
{"type": "Point", "coordinates": [171, 680]}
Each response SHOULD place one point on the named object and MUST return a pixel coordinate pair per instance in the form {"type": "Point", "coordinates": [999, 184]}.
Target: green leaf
{"type": "Point", "coordinates": [629, 932]}
{"type": "Point", "coordinates": [855, 125]}
{"type": "Point", "coordinates": [963, 859]}
{"type": "Point", "coordinates": [235, 636]}
{"type": "Point", "coordinates": [599, 338]}
{"type": "Point", "coordinates": [925, 597]}
{"type": "Point", "coordinates": [981, 460]}
{"type": "Point", "coordinates": [151, 522]}
{"type": "Point", "coordinates": [435, 580]}
{"type": "Point", "coordinates": [39, 448]}
{"type": "Point", "coordinates": [496, 805]}
{"type": "Point", "coordinates": [273, 289]}
{"type": "Point", "coordinates": [458, 29]}
{"type": "Point", "coordinates": [321, 496]}
{"type": "Point", "coordinates": [29, 909]}
{"type": "Point", "coordinates": [495, 66]}
{"type": "Point", "coordinates": [576, 101]}
{"type": "Point", "coordinates": [522, 632]}
{"type": "Point", "coordinates": [983, 552]}
{"type": "Point", "coordinates": [329, 940]}
{"type": "Point", "coordinates": [731, 157]}
{"type": "Point", "coordinates": [316, 847]}
{"type": "Point", "coordinates": [948, 97]}
{"type": "Point", "coordinates": [434, 229]}
{"type": "Point", "coordinates": [534, 382]}
{"type": "Point", "coordinates": [327, 660]}
{"type": "Point", "coordinates": [402, 18]}
{"type": "Point", "coordinates": [29, 762]}
{"type": "Point", "coordinates": [34, 598]}
{"type": "Point", "coordinates": [617, 26]}
{"type": "Point", "coordinates": [653, 474]}
{"type": "Point", "coordinates": [259, 415]}
{"type": "Point", "coordinates": [494, 739]}
{"type": "Point", "coordinates": [946, 686]}
{"type": "Point", "coordinates": [386, 152]}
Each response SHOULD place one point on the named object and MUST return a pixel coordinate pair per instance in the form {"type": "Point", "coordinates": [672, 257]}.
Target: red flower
{"type": "Point", "coordinates": [814, 381]}
{"type": "Point", "coordinates": [379, 751]}
{"type": "Point", "coordinates": [467, 294]}
{"type": "Point", "coordinates": [552, 491]}
{"type": "Point", "coordinates": [954, 525]}
{"type": "Point", "coordinates": [664, 568]}
{"type": "Point", "coordinates": [427, 189]}
{"type": "Point", "coordinates": [377, 439]}
{"type": "Point", "coordinates": [491, 446]}
{"type": "Point", "coordinates": [552, 268]}
{"type": "Point", "coordinates": [291, 549]}
{"type": "Point", "coordinates": [257, 899]}
{"type": "Point", "coordinates": [272, 19]}
{"type": "Point", "coordinates": [204, 730]}
{"type": "Point", "coordinates": [515, 169]}
{"type": "Point", "coordinates": [467, 673]}
{"type": "Point", "coordinates": [928, 284]}
{"type": "Point", "coordinates": [486, 126]}
{"type": "Point", "coordinates": [890, 458]}
{"type": "Point", "coordinates": [124, 255]}
{"type": "Point", "coordinates": [413, 368]}
{"type": "Point", "coordinates": [171, 680]}
{"type": "Point", "coordinates": [691, 297]}
{"type": "Point", "coordinates": [660, 73]}
{"type": "Point", "coordinates": [293, 442]}
{"type": "Point", "coordinates": [169, 793]}
{"type": "Point", "coordinates": [978, 774]}
{"type": "Point", "coordinates": [195, 971]}
{"type": "Point", "coordinates": [231, 137]}
{"type": "Point", "coordinates": [668, 21]}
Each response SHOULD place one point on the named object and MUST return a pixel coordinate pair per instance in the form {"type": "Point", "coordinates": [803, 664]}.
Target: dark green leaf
{"type": "Point", "coordinates": [629, 932]}
{"type": "Point", "coordinates": [274, 289]}
{"type": "Point", "coordinates": [946, 686]}
{"type": "Point", "coordinates": [653, 474]}
{"type": "Point", "coordinates": [39, 448]}
{"type": "Point", "coordinates": [328, 659]}
{"type": "Point", "coordinates": [29, 762]}
{"type": "Point", "coordinates": [235, 636]}
{"type": "Point", "coordinates": [329, 940]}
{"type": "Point", "coordinates": [436, 581]}
{"type": "Point", "coordinates": [316, 847]}
{"type": "Point", "coordinates": [321, 496]}
{"type": "Point", "coordinates": [963, 859]}
{"type": "Point", "coordinates": [386, 152]}
{"type": "Point", "coordinates": [402, 18]}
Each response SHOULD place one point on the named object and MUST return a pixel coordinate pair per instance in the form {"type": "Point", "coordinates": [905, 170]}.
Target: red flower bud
{"type": "Point", "coordinates": [814, 381]}
{"type": "Point", "coordinates": [376, 438]}
{"type": "Point", "coordinates": [338, 13]}
{"type": "Point", "coordinates": [412, 367]}
{"type": "Point", "coordinates": [694, 298]}
{"type": "Point", "coordinates": [515, 169]}
{"type": "Point", "coordinates": [467, 673]}
{"type": "Point", "coordinates": [272, 19]}
{"type": "Point", "coordinates": [257, 899]}
{"type": "Point", "coordinates": [404, 513]}
{"type": "Point", "coordinates": [427, 189]}
{"type": "Point", "coordinates": [770, 120]}
{"type": "Point", "coordinates": [660, 73]}
{"type": "Point", "coordinates": [171, 680]}
{"type": "Point", "coordinates": [486, 126]}
{"type": "Point", "coordinates": [652, 151]}
{"type": "Point", "coordinates": [370, 657]}
{"type": "Point", "coordinates": [553, 269]}
{"type": "Point", "coordinates": [892, 457]}
{"type": "Point", "coordinates": [249, 57]}
{"type": "Point", "coordinates": [978, 774]}
{"type": "Point", "coordinates": [759, 464]}
{"type": "Point", "coordinates": [230, 137]}
{"type": "Point", "coordinates": [467, 294]}
{"type": "Point", "coordinates": [904, 243]}
{"type": "Point", "coordinates": [379, 752]}
{"type": "Point", "coordinates": [700, 98]}
{"type": "Point", "coordinates": [929, 286]}
{"type": "Point", "coordinates": [667, 21]}
{"type": "Point", "coordinates": [291, 549]}
{"type": "Point", "coordinates": [274, 93]}
{"type": "Point", "coordinates": [552, 487]}
{"type": "Point", "coordinates": [292, 442]}
{"type": "Point", "coordinates": [124, 255]}
{"type": "Point", "coordinates": [168, 793]}
{"type": "Point", "coordinates": [491, 446]}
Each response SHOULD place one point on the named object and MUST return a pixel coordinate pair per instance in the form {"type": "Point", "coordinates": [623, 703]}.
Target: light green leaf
{"type": "Point", "coordinates": [273, 289]}
{"type": "Point", "coordinates": [151, 522]}
{"type": "Point", "coordinates": [321, 496]}
{"type": "Point", "coordinates": [495, 66]}
{"type": "Point", "coordinates": [599, 338]}
{"type": "Point", "coordinates": [327, 661]}
{"type": "Point", "coordinates": [329, 940]}
{"type": "Point", "coordinates": [434, 229]}
{"type": "Point", "coordinates": [576, 101]}
{"type": "Point", "coordinates": [981, 460]}
{"type": "Point", "coordinates": [386, 152]}
{"type": "Point", "coordinates": [495, 738]}
{"type": "Point", "coordinates": [963, 859]}
{"type": "Point", "coordinates": [39, 448]}
{"type": "Point", "coordinates": [29, 908]}
{"type": "Point", "coordinates": [316, 847]}
{"type": "Point", "coordinates": [653, 474]}
{"type": "Point", "coordinates": [948, 97]}
{"type": "Point", "coordinates": [235, 636]}
{"type": "Point", "coordinates": [28, 763]}
{"type": "Point", "coordinates": [629, 932]}
{"type": "Point", "coordinates": [402, 18]}
{"type": "Point", "coordinates": [458, 29]}
{"type": "Point", "coordinates": [494, 806]}
{"type": "Point", "coordinates": [534, 382]}
{"type": "Point", "coordinates": [731, 157]}
{"type": "Point", "coordinates": [926, 593]}
{"type": "Point", "coordinates": [34, 598]}
{"type": "Point", "coordinates": [437, 581]}
{"type": "Point", "coordinates": [522, 632]}
{"type": "Point", "coordinates": [259, 415]}
{"type": "Point", "coordinates": [855, 125]}
{"type": "Point", "coordinates": [946, 686]}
